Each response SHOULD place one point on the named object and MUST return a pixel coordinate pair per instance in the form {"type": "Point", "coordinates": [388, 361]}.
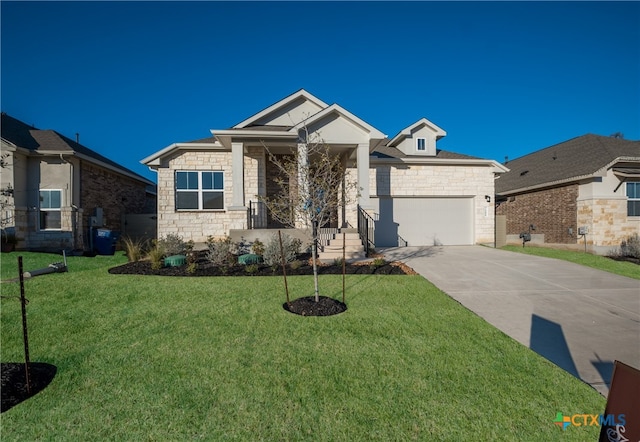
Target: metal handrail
{"type": "Point", "coordinates": [366, 230]}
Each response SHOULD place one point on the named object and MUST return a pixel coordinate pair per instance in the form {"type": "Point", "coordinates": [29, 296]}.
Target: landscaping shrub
{"type": "Point", "coordinates": [156, 256]}
{"type": "Point", "coordinates": [631, 246]}
{"type": "Point", "coordinates": [290, 245]}
{"type": "Point", "coordinates": [134, 249]}
{"type": "Point", "coordinates": [378, 262]}
{"type": "Point", "coordinates": [221, 251]}
{"type": "Point", "coordinates": [257, 247]}
{"type": "Point", "coordinates": [173, 244]}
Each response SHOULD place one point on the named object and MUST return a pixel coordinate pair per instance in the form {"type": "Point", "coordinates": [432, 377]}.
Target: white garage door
{"type": "Point", "coordinates": [424, 221]}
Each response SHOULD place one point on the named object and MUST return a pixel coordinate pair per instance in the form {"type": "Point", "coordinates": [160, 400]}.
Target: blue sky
{"type": "Point", "coordinates": [502, 78]}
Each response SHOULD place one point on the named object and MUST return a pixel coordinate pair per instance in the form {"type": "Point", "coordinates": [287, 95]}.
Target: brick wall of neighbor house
{"type": "Point", "coordinates": [198, 226]}
{"type": "Point", "coordinates": [444, 180]}
{"type": "Point", "coordinates": [607, 221]}
{"type": "Point", "coordinates": [552, 211]}
{"type": "Point", "coordinates": [116, 194]}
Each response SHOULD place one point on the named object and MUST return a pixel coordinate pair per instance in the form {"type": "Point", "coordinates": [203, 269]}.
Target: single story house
{"type": "Point", "coordinates": [414, 193]}
{"type": "Point", "coordinates": [586, 189]}
{"type": "Point", "coordinates": [60, 190]}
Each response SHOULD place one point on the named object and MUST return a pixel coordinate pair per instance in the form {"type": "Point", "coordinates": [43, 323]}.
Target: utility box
{"type": "Point", "coordinates": [583, 230]}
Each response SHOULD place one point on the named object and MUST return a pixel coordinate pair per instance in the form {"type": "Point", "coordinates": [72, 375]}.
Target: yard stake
{"type": "Point", "coordinates": [25, 335]}
{"type": "Point", "coordinates": [284, 270]}
{"type": "Point", "coordinates": [344, 260]}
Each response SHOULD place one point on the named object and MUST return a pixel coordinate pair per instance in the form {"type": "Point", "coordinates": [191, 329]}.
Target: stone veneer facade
{"type": "Point", "coordinates": [607, 221]}
{"type": "Point", "coordinates": [439, 181]}
{"type": "Point", "coordinates": [199, 225]}
{"type": "Point", "coordinates": [405, 180]}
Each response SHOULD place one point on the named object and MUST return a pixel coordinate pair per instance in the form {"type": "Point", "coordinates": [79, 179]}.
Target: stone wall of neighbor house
{"type": "Point", "coordinates": [441, 180]}
{"type": "Point", "coordinates": [607, 221]}
{"type": "Point", "coordinates": [116, 194]}
{"type": "Point", "coordinates": [199, 225]}
{"type": "Point", "coordinates": [552, 211]}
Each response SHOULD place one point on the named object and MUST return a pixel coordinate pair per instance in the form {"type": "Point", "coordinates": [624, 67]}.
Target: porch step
{"type": "Point", "coordinates": [353, 248]}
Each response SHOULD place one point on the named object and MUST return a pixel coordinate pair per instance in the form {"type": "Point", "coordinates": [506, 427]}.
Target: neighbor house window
{"type": "Point", "coordinates": [633, 199]}
{"type": "Point", "coordinates": [199, 190]}
{"type": "Point", "coordinates": [421, 144]}
{"type": "Point", "coordinates": [50, 204]}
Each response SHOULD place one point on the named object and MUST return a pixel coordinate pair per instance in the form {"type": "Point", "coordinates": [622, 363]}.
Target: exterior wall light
{"type": "Point", "coordinates": [488, 198]}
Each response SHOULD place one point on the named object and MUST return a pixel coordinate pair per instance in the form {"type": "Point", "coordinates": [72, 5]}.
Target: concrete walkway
{"type": "Point", "coordinates": [577, 317]}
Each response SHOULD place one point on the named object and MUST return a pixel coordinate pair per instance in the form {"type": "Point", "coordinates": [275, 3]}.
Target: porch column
{"type": "Point", "coordinates": [362, 162]}
{"type": "Point", "coordinates": [237, 173]}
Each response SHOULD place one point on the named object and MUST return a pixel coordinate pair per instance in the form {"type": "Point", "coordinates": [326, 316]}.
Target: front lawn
{"type": "Point", "coordinates": [218, 358]}
{"type": "Point", "coordinates": [586, 259]}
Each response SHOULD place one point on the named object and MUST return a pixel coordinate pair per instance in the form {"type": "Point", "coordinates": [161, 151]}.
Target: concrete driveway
{"type": "Point", "coordinates": [579, 318]}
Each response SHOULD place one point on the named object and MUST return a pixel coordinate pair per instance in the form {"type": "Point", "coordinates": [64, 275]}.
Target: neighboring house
{"type": "Point", "coordinates": [587, 184]}
{"type": "Point", "coordinates": [415, 193]}
{"type": "Point", "coordinates": [62, 190]}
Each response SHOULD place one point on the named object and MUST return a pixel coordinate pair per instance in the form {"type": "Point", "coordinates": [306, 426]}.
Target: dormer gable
{"type": "Point", "coordinates": [418, 139]}
{"type": "Point", "coordinates": [287, 112]}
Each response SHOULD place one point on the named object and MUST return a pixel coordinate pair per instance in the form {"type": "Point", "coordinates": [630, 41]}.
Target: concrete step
{"type": "Point", "coordinates": [338, 248]}
{"type": "Point", "coordinates": [331, 257]}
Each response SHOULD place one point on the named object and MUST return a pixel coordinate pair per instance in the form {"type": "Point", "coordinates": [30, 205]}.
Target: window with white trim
{"type": "Point", "coordinates": [633, 199]}
{"type": "Point", "coordinates": [50, 205]}
{"type": "Point", "coordinates": [199, 190]}
{"type": "Point", "coordinates": [421, 144]}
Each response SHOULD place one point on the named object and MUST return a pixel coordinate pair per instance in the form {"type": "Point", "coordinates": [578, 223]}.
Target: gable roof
{"type": "Point", "coordinates": [578, 158]}
{"type": "Point", "coordinates": [281, 106]}
{"type": "Point", "coordinates": [407, 131]}
{"type": "Point", "coordinates": [43, 142]}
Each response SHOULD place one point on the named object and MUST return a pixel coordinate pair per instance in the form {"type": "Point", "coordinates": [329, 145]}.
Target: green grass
{"type": "Point", "coordinates": [586, 259]}
{"type": "Point", "coordinates": [160, 358]}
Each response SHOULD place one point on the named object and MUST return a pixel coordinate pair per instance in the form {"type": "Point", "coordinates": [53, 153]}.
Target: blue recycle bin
{"type": "Point", "coordinates": [104, 241]}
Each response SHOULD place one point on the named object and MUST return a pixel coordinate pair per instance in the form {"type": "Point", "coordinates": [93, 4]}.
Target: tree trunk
{"type": "Point", "coordinates": [314, 256]}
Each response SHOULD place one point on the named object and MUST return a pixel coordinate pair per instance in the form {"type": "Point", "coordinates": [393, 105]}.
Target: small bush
{"type": "Point", "coordinates": [221, 251]}
{"type": "Point", "coordinates": [173, 244]}
{"type": "Point", "coordinates": [251, 269]}
{"type": "Point", "coordinates": [191, 268]}
{"type": "Point", "coordinates": [337, 262]}
{"type": "Point", "coordinates": [378, 262]}
{"type": "Point", "coordinates": [156, 256]}
{"type": "Point", "coordinates": [257, 247]}
{"type": "Point", "coordinates": [295, 264]}
{"type": "Point", "coordinates": [134, 249]}
{"type": "Point", "coordinates": [631, 246]}
{"type": "Point", "coordinates": [291, 247]}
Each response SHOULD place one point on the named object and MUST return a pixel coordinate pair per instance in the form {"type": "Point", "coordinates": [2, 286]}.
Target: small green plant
{"type": "Point", "coordinates": [191, 268]}
{"type": "Point", "coordinates": [251, 269]}
{"type": "Point", "coordinates": [378, 262]}
{"type": "Point", "coordinates": [257, 247]}
{"type": "Point", "coordinates": [173, 244]}
{"type": "Point", "coordinates": [134, 249]}
{"type": "Point", "coordinates": [295, 264]}
{"type": "Point", "coordinates": [290, 245]}
{"type": "Point", "coordinates": [337, 262]}
{"type": "Point", "coordinates": [221, 251]}
{"type": "Point", "coordinates": [156, 256]}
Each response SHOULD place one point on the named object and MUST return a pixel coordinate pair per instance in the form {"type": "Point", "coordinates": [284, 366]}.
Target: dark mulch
{"type": "Point", "coordinates": [14, 385]}
{"type": "Point", "coordinates": [626, 259]}
{"type": "Point", "coordinates": [308, 306]}
{"type": "Point", "coordinates": [205, 268]}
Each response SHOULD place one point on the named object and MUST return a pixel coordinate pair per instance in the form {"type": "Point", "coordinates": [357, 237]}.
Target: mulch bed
{"type": "Point", "coordinates": [14, 386]}
{"type": "Point", "coordinates": [206, 268]}
{"type": "Point", "coordinates": [308, 306]}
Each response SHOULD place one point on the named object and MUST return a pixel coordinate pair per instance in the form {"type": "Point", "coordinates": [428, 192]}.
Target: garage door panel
{"type": "Point", "coordinates": [423, 221]}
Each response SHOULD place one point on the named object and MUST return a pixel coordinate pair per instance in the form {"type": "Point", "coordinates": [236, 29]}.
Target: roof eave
{"type": "Point", "coordinates": [498, 168]}
{"type": "Point", "coordinates": [156, 158]}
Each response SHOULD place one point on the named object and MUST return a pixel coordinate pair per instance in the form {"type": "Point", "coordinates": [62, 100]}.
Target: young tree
{"type": "Point", "coordinates": [313, 187]}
